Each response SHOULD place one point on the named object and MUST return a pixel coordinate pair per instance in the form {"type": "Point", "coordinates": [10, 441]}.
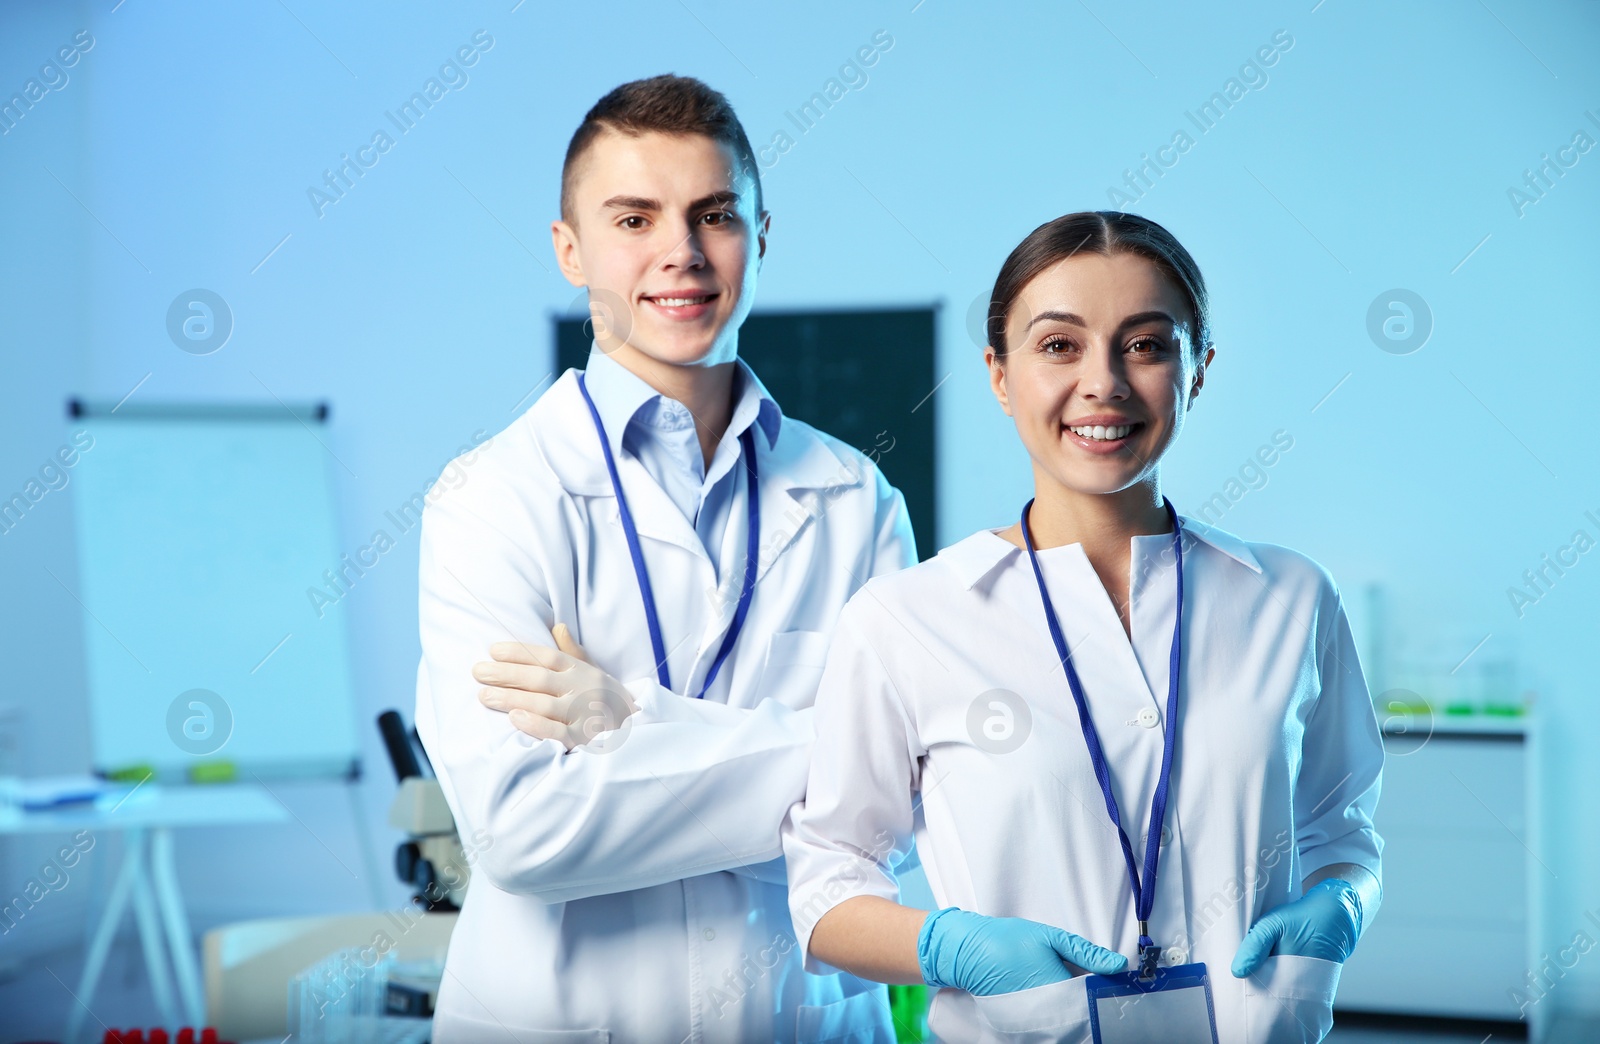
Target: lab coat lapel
{"type": "Point", "coordinates": [1152, 590]}
{"type": "Point", "coordinates": [1101, 653]}
{"type": "Point", "coordinates": [571, 446]}
{"type": "Point", "coordinates": [800, 477]}
{"type": "Point", "coordinates": [655, 515]}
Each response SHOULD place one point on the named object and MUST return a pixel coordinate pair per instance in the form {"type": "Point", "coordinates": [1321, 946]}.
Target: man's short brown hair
{"type": "Point", "coordinates": [667, 105]}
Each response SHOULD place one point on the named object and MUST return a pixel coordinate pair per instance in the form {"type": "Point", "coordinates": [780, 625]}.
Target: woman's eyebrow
{"type": "Point", "coordinates": [1065, 317]}
{"type": "Point", "coordinates": [1149, 317]}
{"type": "Point", "coordinates": [1077, 320]}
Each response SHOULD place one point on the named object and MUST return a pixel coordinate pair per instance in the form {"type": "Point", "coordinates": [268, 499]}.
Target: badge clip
{"type": "Point", "coordinates": [1149, 953]}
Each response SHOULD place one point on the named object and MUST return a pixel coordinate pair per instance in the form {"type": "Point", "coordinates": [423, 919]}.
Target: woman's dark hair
{"type": "Point", "coordinates": [1098, 232]}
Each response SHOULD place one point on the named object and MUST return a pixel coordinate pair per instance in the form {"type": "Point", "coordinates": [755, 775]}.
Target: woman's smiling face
{"type": "Point", "coordinates": [1099, 369]}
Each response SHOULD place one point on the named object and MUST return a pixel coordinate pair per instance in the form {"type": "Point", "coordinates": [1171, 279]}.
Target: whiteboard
{"type": "Point", "coordinates": [200, 534]}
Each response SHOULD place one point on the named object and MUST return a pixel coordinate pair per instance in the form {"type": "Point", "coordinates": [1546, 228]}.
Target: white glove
{"type": "Point", "coordinates": [553, 693]}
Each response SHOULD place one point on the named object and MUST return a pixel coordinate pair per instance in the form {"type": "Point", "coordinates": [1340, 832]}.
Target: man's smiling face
{"type": "Point", "coordinates": [664, 232]}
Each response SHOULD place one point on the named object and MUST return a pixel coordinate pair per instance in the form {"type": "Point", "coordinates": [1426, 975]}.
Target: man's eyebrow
{"type": "Point", "coordinates": [1076, 320]}
{"type": "Point", "coordinates": [630, 203]}
{"type": "Point", "coordinates": [728, 198]}
{"type": "Point", "coordinates": [715, 199]}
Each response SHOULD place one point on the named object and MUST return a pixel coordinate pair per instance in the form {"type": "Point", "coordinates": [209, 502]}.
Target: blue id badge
{"type": "Point", "coordinates": [1174, 1007]}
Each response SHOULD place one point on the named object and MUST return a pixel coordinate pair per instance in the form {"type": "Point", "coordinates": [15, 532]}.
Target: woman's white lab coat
{"type": "Point", "coordinates": [944, 715]}
{"type": "Point", "coordinates": [634, 888]}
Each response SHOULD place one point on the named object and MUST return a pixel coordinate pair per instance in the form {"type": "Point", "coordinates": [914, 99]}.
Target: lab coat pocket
{"type": "Point", "coordinates": [1056, 1013]}
{"type": "Point", "coordinates": [1289, 1000]}
{"type": "Point", "coordinates": [794, 666]}
{"type": "Point", "coordinates": [862, 1018]}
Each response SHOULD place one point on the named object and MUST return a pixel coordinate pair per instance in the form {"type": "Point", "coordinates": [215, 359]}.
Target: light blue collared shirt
{"type": "Point", "coordinates": [659, 432]}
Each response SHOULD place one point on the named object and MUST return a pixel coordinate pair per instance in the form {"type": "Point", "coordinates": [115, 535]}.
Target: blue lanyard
{"type": "Point", "coordinates": [631, 532]}
{"type": "Point", "coordinates": [1144, 886]}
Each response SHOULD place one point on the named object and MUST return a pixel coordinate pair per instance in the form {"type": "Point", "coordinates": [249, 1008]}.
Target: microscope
{"type": "Point", "coordinates": [433, 861]}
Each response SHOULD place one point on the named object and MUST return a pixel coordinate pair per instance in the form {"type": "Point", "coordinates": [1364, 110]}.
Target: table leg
{"type": "Point", "coordinates": [94, 962]}
{"type": "Point", "coordinates": [155, 953]}
{"type": "Point", "coordinates": [184, 963]}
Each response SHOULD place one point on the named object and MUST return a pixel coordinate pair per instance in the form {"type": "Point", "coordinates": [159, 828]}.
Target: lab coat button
{"type": "Point", "coordinates": [1148, 718]}
{"type": "Point", "coordinates": [710, 933]}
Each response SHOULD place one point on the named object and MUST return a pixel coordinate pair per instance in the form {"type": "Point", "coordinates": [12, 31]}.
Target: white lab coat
{"type": "Point", "coordinates": [935, 672]}
{"type": "Point", "coordinates": [633, 890]}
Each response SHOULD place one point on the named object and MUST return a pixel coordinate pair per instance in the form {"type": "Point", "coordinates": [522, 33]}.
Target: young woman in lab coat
{"type": "Point", "coordinates": [946, 714]}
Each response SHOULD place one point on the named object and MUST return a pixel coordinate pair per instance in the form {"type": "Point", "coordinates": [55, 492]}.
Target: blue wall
{"type": "Point", "coordinates": [1377, 151]}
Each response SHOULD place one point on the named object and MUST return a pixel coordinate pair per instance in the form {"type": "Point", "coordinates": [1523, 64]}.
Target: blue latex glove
{"type": "Point", "coordinates": [989, 955]}
{"type": "Point", "coordinates": [1325, 923]}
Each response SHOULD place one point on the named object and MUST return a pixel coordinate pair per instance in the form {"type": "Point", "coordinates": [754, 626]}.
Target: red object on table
{"type": "Point", "coordinates": [159, 1036]}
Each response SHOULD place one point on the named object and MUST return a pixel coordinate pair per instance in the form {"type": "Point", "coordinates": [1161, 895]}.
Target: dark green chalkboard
{"type": "Point", "coordinates": [864, 377]}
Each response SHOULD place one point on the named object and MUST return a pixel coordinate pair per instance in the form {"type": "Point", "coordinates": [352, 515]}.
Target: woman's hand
{"type": "Point", "coordinates": [1325, 923]}
{"type": "Point", "coordinates": [553, 693]}
{"type": "Point", "coordinates": [989, 955]}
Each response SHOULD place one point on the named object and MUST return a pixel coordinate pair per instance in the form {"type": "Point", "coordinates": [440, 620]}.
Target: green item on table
{"type": "Point", "coordinates": [213, 772]}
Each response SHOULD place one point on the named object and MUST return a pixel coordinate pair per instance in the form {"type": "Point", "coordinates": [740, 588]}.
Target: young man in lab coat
{"type": "Point", "coordinates": [627, 881]}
